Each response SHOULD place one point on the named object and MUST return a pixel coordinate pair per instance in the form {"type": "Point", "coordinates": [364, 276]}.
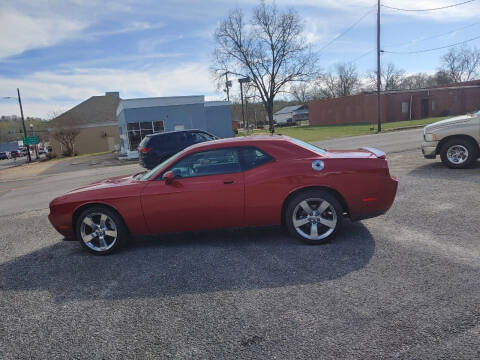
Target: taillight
{"type": "Point", "coordinates": [145, 150]}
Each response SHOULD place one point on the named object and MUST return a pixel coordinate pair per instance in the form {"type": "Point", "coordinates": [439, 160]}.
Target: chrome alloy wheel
{"type": "Point", "coordinates": [314, 219]}
{"type": "Point", "coordinates": [457, 154]}
{"type": "Point", "coordinates": [98, 231]}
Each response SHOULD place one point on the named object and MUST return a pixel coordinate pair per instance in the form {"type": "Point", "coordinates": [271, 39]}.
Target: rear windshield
{"type": "Point", "coordinates": [308, 146]}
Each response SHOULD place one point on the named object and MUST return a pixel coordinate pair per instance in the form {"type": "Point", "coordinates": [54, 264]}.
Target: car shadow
{"type": "Point", "coordinates": [189, 264]}
{"type": "Point", "coordinates": [436, 170]}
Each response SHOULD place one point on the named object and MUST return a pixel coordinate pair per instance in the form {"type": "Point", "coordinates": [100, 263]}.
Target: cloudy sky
{"type": "Point", "coordinates": [60, 52]}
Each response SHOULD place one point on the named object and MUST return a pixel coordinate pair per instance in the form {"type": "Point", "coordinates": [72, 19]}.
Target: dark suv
{"type": "Point", "coordinates": [156, 148]}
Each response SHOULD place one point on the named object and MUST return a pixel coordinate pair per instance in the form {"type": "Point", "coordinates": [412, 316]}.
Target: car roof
{"type": "Point", "coordinates": [242, 141]}
{"type": "Point", "coordinates": [175, 132]}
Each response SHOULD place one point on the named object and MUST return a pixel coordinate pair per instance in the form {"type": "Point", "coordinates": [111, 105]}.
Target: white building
{"type": "Point", "coordinates": [290, 115]}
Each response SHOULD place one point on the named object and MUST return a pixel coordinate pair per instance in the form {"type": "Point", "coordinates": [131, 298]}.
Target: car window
{"type": "Point", "coordinates": [253, 157]}
{"type": "Point", "coordinates": [212, 162]}
{"type": "Point", "coordinates": [204, 137]}
{"type": "Point", "coordinates": [309, 146]}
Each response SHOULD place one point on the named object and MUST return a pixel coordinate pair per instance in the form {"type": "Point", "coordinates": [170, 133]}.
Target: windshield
{"type": "Point", "coordinates": [309, 146]}
{"type": "Point", "coordinates": [151, 173]}
{"type": "Point", "coordinates": [477, 113]}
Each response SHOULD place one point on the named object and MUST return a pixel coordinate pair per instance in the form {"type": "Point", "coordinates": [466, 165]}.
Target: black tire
{"type": "Point", "coordinates": [459, 142]}
{"type": "Point", "coordinates": [95, 246]}
{"type": "Point", "coordinates": [334, 211]}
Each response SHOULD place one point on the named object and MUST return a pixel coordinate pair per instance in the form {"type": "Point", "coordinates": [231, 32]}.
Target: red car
{"type": "Point", "coordinates": [228, 183]}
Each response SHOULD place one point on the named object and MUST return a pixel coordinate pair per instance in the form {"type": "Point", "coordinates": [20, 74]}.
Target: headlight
{"type": "Point", "coordinates": [430, 137]}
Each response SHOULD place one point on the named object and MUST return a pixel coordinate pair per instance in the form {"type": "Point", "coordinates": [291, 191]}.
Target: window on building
{"type": "Point", "coordinates": [433, 105]}
{"type": "Point", "coordinates": [137, 131]}
{"type": "Point", "coordinates": [404, 107]}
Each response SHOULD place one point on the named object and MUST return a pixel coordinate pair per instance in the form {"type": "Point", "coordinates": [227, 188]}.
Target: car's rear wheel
{"type": "Point", "coordinates": [314, 216]}
{"type": "Point", "coordinates": [100, 230]}
{"type": "Point", "coordinates": [458, 153]}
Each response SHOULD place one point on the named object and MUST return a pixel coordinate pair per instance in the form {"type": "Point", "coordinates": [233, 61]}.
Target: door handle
{"type": "Point", "coordinates": [228, 182]}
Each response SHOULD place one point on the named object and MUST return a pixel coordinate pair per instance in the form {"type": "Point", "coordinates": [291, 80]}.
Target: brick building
{"type": "Point", "coordinates": [451, 99]}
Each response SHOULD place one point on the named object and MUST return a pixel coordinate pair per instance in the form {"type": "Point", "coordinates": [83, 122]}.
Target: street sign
{"type": "Point", "coordinates": [30, 140]}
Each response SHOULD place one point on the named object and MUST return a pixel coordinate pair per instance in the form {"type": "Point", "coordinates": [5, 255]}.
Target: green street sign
{"type": "Point", "coordinates": [30, 140]}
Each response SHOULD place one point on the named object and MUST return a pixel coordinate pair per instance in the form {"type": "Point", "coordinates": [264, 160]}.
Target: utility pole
{"type": "Point", "coordinates": [23, 124]}
{"type": "Point", "coordinates": [227, 85]}
{"type": "Point", "coordinates": [241, 96]}
{"type": "Point", "coordinates": [241, 81]}
{"type": "Point", "coordinates": [379, 116]}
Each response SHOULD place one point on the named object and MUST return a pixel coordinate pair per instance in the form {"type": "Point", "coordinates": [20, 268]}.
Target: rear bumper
{"type": "Point", "coordinates": [379, 203]}
{"type": "Point", "coordinates": [429, 149]}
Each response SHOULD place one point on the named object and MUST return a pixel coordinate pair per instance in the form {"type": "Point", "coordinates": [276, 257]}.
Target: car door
{"type": "Point", "coordinates": [207, 193]}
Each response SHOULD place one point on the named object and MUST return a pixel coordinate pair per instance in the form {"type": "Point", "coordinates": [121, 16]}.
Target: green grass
{"type": "Point", "coordinates": [325, 132]}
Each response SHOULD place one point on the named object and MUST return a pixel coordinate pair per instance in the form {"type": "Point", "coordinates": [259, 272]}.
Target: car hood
{"type": "Point", "coordinates": [107, 183]}
{"type": "Point", "coordinates": [448, 122]}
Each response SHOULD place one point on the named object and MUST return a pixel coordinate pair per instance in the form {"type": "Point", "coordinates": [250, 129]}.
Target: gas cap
{"type": "Point", "coordinates": [318, 165]}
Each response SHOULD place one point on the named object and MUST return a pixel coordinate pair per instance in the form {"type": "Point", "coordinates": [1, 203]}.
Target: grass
{"type": "Point", "coordinates": [325, 132]}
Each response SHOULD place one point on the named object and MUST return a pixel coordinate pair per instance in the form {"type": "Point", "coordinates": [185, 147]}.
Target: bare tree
{"type": "Point", "coordinates": [417, 81]}
{"type": "Point", "coordinates": [348, 81]}
{"type": "Point", "coordinates": [305, 91]}
{"type": "Point", "coordinates": [442, 78]}
{"type": "Point", "coordinates": [344, 82]}
{"type": "Point", "coordinates": [390, 76]}
{"type": "Point", "coordinates": [66, 137]}
{"type": "Point", "coordinates": [270, 49]}
{"type": "Point", "coordinates": [461, 63]}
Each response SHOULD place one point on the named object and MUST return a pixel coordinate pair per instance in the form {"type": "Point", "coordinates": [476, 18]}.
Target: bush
{"type": "Point", "coordinates": [51, 155]}
{"type": "Point", "coordinates": [235, 131]}
{"type": "Point", "coordinates": [67, 152]}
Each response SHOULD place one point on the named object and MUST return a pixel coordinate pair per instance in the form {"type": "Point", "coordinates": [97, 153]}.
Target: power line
{"type": "Point", "coordinates": [432, 9]}
{"type": "Point", "coordinates": [432, 49]}
{"type": "Point", "coordinates": [434, 36]}
{"type": "Point", "coordinates": [362, 56]}
{"type": "Point", "coordinates": [347, 30]}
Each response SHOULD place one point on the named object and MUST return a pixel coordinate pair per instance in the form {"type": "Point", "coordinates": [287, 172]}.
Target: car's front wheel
{"type": "Point", "coordinates": [314, 216]}
{"type": "Point", "coordinates": [458, 153]}
{"type": "Point", "coordinates": [100, 230]}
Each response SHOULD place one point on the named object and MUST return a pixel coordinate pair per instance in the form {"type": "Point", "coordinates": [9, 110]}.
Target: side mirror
{"type": "Point", "coordinates": [168, 177]}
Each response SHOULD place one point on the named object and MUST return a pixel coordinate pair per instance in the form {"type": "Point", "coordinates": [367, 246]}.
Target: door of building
{"type": "Point", "coordinates": [424, 108]}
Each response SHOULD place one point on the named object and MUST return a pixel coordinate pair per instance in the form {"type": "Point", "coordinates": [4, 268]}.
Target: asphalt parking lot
{"type": "Point", "coordinates": [403, 286]}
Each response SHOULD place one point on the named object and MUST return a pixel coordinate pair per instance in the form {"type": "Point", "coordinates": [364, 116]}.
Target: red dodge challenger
{"type": "Point", "coordinates": [237, 182]}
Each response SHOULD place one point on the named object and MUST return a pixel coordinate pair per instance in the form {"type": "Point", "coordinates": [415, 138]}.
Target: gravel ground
{"type": "Point", "coordinates": [402, 286]}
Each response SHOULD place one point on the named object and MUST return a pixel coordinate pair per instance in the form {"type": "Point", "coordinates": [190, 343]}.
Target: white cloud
{"type": "Point", "coordinates": [20, 32]}
{"type": "Point", "coordinates": [41, 91]}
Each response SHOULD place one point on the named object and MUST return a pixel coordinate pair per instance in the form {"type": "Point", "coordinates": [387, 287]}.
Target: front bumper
{"type": "Point", "coordinates": [61, 223]}
{"type": "Point", "coordinates": [429, 149]}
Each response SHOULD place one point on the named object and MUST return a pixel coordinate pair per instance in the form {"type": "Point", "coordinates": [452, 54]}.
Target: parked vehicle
{"type": "Point", "coordinates": [456, 140]}
{"type": "Point", "coordinates": [155, 148]}
{"type": "Point", "coordinates": [228, 183]}
{"type": "Point", "coordinates": [23, 151]}
{"type": "Point", "coordinates": [15, 154]}
{"type": "Point", "coordinates": [3, 155]}
{"type": "Point", "coordinates": [41, 150]}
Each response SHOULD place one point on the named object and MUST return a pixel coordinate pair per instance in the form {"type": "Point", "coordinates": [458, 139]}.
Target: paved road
{"type": "Point", "coordinates": [7, 163]}
{"type": "Point", "coordinates": [403, 285]}
{"type": "Point", "coordinates": [389, 142]}
{"type": "Point", "coordinates": [37, 192]}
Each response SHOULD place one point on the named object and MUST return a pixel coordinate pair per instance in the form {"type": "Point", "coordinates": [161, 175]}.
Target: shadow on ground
{"type": "Point", "coordinates": [436, 170]}
{"type": "Point", "coordinates": [188, 264]}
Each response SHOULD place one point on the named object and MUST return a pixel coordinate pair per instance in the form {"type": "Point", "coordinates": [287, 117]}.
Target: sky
{"type": "Point", "coordinates": [61, 52]}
